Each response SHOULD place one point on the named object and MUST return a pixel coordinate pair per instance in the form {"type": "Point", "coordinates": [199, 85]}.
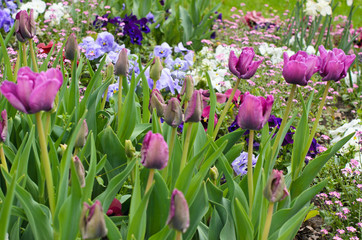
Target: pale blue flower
{"type": "Point", "coordinates": [240, 164]}
{"type": "Point", "coordinates": [105, 40]}
{"type": "Point", "coordinates": [163, 50]}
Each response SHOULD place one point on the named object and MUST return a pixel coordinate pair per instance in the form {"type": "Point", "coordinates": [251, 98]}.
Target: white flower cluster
{"type": "Point", "coordinates": [37, 5]}
{"type": "Point", "coordinates": [321, 7]}
{"type": "Point", "coordinates": [216, 65]}
{"type": "Point", "coordinates": [55, 13]}
{"type": "Point", "coordinates": [275, 53]}
{"type": "Point", "coordinates": [352, 127]}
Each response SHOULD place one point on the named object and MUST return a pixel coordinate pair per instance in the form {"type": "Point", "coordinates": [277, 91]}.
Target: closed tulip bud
{"type": "Point", "coordinates": [179, 216]}
{"type": "Point", "coordinates": [79, 168]}
{"type": "Point", "coordinates": [194, 108]}
{"type": "Point", "coordinates": [71, 47]}
{"type": "Point", "coordinates": [129, 149]}
{"type": "Point", "coordinates": [3, 126]}
{"type": "Point", "coordinates": [299, 68]}
{"type": "Point", "coordinates": [275, 189]}
{"type": "Point", "coordinates": [109, 70]}
{"type": "Point", "coordinates": [24, 25]}
{"type": "Point", "coordinates": [156, 101]}
{"type": "Point", "coordinates": [214, 173]}
{"type": "Point", "coordinates": [334, 64]}
{"type": "Point", "coordinates": [243, 67]}
{"type": "Point", "coordinates": [254, 111]}
{"type": "Point", "coordinates": [122, 64]}
{"type": "Point", "coordinates": [82, 135]}
{"type": "Point", "coordinates": [173, 113]}
{"type": "Point", "coordinates": [92, 223]}
{"type": "Point", "coordinates": [187, 88]}
{"type": "Point", "coordinates": [62, 148]}
{"type": "Point", "coordinates": [156, 69]}
{"type": "Point", "coordinates": [154, 151]}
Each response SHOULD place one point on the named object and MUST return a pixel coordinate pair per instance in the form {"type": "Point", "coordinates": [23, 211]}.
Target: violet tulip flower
{"type": "Point", "coordinates": [275, 189]}
{"type": "Point", "coordinates": [243, 67]}
{"type": "Point", "coordinates": [154, 151]}
{"type": "Point", "coordinates": [179, 216]}
{"type": "Point", "coordinates": [35, 91]}
{"type": "Point", "coordinates": [173, 113]}
{"type": "Point", "coordinates": [299, 68]}
{"type": "Point", "coordinates": [156, 101]}
{"type": "Point", "coordinates": [3, 126]}
{"type": "Point", "coordinates": [122, 65]}
{"type": "Point", "coordinates": [194, 108]}
{"type": "Point", "coordinates": [79, 169]}
{"type": "Point", "coordinates": [334, 64]}
{"type": "Point", "coordinates": [92, 223]}
{"type": "Point", "coordinates": [115, 209]}
{"type": "Point", "coordinates": [71, 47]}
{"type": "Point", "coordinates": [24, 25]}
{"type": "Point", "coordinates": [254, 111]}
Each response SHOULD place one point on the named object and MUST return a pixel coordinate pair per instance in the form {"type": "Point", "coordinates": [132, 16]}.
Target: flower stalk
{"type": "Point", "coordinates": [186, 146]}
{"type": "Point", "coordinates": [250, 172]}
{"type": "Point", "coordinates": [150, 180]}
{"type": "Point", "coordinates": [33, 57]}
{"type": "Point", "coordinates": [46, 163]}
{"type": "Point", "coordinates": [119, 103]}
{"type": "Point", "coordinates": [3, 159]}
{"type": "Point", "coordinates": [24, 54]}
{"type": "Point", "coordinates": [226, 109]}
{"type": "Point", "coordinates": [268, 221]}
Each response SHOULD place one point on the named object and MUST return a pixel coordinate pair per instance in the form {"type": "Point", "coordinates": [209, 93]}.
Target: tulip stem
{"type": "Point", "coordinates": [24, 54]}
{"type": "Point", "coordinates": [32, 53]}
{"type": "Point", "coordinates": [268, 221]}
{"type": "Point", "coordinates": [315, 125]}
{"type": "Point", "coordinates": [170, 150]}
{"type": "Point", "coordinates": [250, 171]}
{"type": "Point", "coordinates": [45, 162]}
{"type": "Point", "coordinates": [119, 104]}
{"type": "Point", "coordinates": [3, 159]}
{"type": "Point", "coordinates": [154, 84]}
{"type": "Point", "coordinates": [106, 95]}
{"type": "Point", "coordinates": [285, 118]}
{"type": "Point", "coordinates": [178, 235]}
{"type": "Point", "coordinates": [186, 146]}
{"type": "Point", "coordinates": [150, 180]}
{"type": "Point", "coordinates": [226, 109]}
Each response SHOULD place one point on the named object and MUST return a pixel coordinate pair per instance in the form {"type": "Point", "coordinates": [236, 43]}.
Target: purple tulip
{"type": "Point", "coordinates": [82, 135]}
{"type": "Point", "coordinates": [254, 111]}
{"type": "Point", "coordinates": [92, 223]}
{"type": "Point", "coordinates": [3, 126]}
{"type": "Point", "coordinates": [173, 113]}
{"type": "Point", "coordinates": [275, 189]}
{"type": "Point", "coordinates": [194, 108]}
{"type": "Point", "coordinates": [122, 65]}
{"type": "Point", "coordinates": [35, 91]}
{"type": "Point", "coordinates": [156, 101]}
{"type": "Point", "coordinates": [79, 169]}
{"type": "Point", "coordinates": [24, 25]}
{"type": "Point", "coordinates": [334, 64]}
{"type": "Point", "coordinates": [179, 216]}
{"type": "Point", "coordinates": [154, 151]}
{"type": "Point", "coordinates": [299, 68]}
{"type": "Point", "coordinates": [243, 67]}
{"type": "Point", "coordinates": [71, 47]}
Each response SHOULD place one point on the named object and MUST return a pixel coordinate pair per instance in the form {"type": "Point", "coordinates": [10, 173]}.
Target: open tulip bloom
{"type": "Point", "coordinates": [243, 67]}
{"type": "Point", "coordinates": [34, 92]}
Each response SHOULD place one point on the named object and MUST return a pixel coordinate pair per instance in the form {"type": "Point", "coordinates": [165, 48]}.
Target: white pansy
{"type": "Point", "coordinates": [349, 2]}
{"type": "Point", "coordinates": [37, 5]}
{"type": "Point", "coordinates": [324, 8]}
{"type": "Point", "coordinates": [218, 79]}
{"type": "Point", "coordinates": [55, 13]}
{"type": "Point", "coordinates": [311, 8]}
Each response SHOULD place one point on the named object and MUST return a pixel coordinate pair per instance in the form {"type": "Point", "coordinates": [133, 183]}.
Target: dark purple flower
{"type": "Point", "coordinates": [179, 216]}
{"type": "Point", "coordinates": [115, 208]}
{"type": "Point", "coordinates": [157, 102]}
{"type": "Point", "coordinates": [154, 151]}
{"type": "Point", "coordinates": [173, 113]}
{"type": "Point", "coordinates": [299, 68]}
{"type": "Point", "coordinates": [254, 111]}
{"type": "Point", "coordinates": [100, 21]}
{"type": "Point", "coordinates": [71, 47]}
{"type": "Point", "coordinates": [334, 64]}
{"type": "Point", "coordinates": [143, 25]}
{"type": "Point", "coordinates": [24, 25]}
{"type": "Point", "coordinates": [243, 67]}
{"type": "Point", "coordinates": [34, 92]}
{"type": "Point", "coordinates": [3, 126]}
{"type": "Point", "coordinates": [194, 108]}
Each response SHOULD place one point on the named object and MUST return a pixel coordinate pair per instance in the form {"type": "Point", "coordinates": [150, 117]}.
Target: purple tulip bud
{"type": "Point", "coordinates": [71, 47]}
{"type": "Point", "coordinates": [334, 64]}
{"type": "Point", "coordinates": [82, 135]}
{"type": "Point", "coordinates": [254, 111]}
{"type": "Point", "coordinates": [3, 126]}
{"type": "Point", "coordinates": [92, 223]}
{"type": "Point", "coordinates": [35, 91]}
{"type": "Point", "coordinates": [24, 25]}
{"type": "Point", "coordinates": [173, 113]}
{"type": "Point", "coordinates": [179, 216]}
{"type": "Point", "coordinates": [187, 88]}
{"type": "Point", "coordinates": [79, 168]}
{"type": "Point", "coordinates": [194, 108]}
{"type": "Point", "coordinates": [154, 151]}
{"type": "Point", "coordinates": [275, 189]}
{"type": "Point", "coordinates": [122, 64]}
{"type": "Point", "coordinates": [156, 69]}
{"type": "Point", "coordinates": [299, 68]}
{"type": "Point", "coordinates": [156, 101]}
{"type": "Point", "coordinates": [243, 67]}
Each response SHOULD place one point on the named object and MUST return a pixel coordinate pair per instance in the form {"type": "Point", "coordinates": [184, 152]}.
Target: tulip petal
{"type": "Point", "coordinates": [295, 73]}
{"type": "Point", "coordinates": [233, 60]}
{"type": "Point", "coordinates": [335, 69]}
{"type": "Point", "coordinates": [250, 114]}
{"type": "Point", "coordinates": [251, 70]}
{"type": "Point", "coordinates": [43, 96]}
{"type": "Point", "coordinates": [8, 89]}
